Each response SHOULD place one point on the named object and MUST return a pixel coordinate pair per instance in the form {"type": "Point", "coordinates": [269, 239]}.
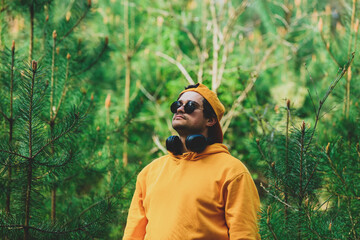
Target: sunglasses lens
{"type": "Point", "coordinates": [190, 107]}
{"type": "Point", "coordinates": [174, 106]}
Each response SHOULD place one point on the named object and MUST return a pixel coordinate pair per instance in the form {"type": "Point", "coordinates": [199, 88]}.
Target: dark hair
{"type": "Point", "coordinates": [208, 110]}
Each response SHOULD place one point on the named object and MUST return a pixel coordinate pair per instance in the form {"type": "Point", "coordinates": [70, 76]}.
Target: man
{"type": "Point", "coordinates": [198, 190]}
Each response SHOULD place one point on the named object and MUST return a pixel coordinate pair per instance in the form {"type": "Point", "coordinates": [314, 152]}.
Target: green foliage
{"type": "Point", "coordinates": [49, 184]}
{"type": "Point", "coordinates": [33, 154]}
{"type": "Point", "coordinates": [255, 54]}
{"type": "Point", "coordinates": [302, 175]}
{"type": "Point", "coordinates": [293, 175]}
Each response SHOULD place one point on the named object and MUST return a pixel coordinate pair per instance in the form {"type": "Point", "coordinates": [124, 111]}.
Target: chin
{"type": "Point", "coordinates": [179, 127]}
{"type": "Point", "coordinates": [178, 122]}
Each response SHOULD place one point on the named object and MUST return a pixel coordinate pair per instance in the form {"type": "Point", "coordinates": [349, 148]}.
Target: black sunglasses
{"type": "Point", "coordinates": [189, 107]}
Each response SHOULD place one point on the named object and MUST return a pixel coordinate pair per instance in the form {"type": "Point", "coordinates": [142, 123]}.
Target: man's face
{"type": "Point", "coordinates": [190, 123]}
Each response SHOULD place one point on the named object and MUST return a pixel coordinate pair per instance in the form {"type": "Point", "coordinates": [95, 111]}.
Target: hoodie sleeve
{"type": "Point", "coordinates": [136, 222]}
{"type": "Point", "coordinates": [242, 207]}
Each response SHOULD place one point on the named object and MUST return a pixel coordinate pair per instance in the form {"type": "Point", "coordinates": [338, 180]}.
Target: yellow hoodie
{"type": "Point", "coordinates": [208, 195]}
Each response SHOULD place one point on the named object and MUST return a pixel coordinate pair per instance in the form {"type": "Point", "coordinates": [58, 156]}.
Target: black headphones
{"type": "Point", "coordinates": [195, 143]}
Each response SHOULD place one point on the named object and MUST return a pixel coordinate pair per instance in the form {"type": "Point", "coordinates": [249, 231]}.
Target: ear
{"type": "Point", "coordinates": [211, 122]}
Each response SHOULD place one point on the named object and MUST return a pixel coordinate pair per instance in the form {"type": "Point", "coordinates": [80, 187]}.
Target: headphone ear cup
{"type": "Point", "coordinates": [196, 143]}
{"type": "Point", "coordinates": [174, 145]}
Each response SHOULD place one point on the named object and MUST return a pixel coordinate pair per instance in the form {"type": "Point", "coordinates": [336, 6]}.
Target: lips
{"type": "Point", "coordinates": [178, 116]}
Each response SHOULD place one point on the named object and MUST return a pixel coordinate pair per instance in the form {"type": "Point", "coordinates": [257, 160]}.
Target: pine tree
{"type": "Point", "coordinates": [43, 114]}
{"type": "Point", "coordinates": [7, 112]}
{"type": "Point", "coordinates": [299, 177]}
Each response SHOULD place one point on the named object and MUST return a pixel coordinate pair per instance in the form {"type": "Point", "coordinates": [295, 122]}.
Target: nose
{"type": "Point", "coordinates": [181, 109]}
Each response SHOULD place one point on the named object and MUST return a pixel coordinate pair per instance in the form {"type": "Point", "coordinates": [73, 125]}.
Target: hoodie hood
{"type": "Point", "coordinates": [193, 156]}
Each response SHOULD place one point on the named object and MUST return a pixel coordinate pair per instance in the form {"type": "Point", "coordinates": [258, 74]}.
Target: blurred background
{"type": "Point", "coordinates": [273, 63]}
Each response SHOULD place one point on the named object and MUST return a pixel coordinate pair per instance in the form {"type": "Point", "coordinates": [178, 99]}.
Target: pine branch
{"type": "Point", "coordinates": [329, 91]}
{"type": "Point", "coordinates": [288, 113]}
{"type": "Point", "coordinates": [44, 175]}
{"type": "Point", "coordinates": [4, 115]}
{"type": "Point", "coordinates": [327, 47]}
{"type": "Point", "coordinates": [269, 224]}
{"type": "Point", "coordinates": [77, 23]}
{"type": "Point", "coordinates": [15, 154]}
{"type": "Point", "coordinates": [192, 39]}
{"type": "Point", "coordinates": [138, 43]}
{"type": "Point", "coordinates": [312, 101]}
{"type": "Point", "coordinates": [312, 80]}
{"type": "Point", "coordinates": [155, 138]}
{"type": "Point", "coordinates": [353, 223]}
{"type": "Point", "coordinates": [107, 198]}
{"type": "Point", "coordinates": [226, 120]}
{"type": "Point", "coordinates": [30, 161]}
{"type": "Point", "coordinates": [310, 227]}
{"type": "Point", "coordinates": [351, 26]}
{"type": "Point", "coordinates": [58, 232]}
{"type": "Point", "coordinates": [260, 150]}
{"type": "Point", "coordinates": [302, 156]}
{"type": "Point", "coordinates": [54, 139]}
{"type": "Point", "coordinates": [232, 19]}
{"type": "Point", "coordinates": [311, 175]}
{"type": "Point", "coordinates": [44, 31]}
{"type": "Point", "coordinates": [178, 64]}
{"type": "Point", "coordinates": [12, 87]}
{"type": "Point", "coordinates": [356, 29]}
{"type": "Point", "coordinates": [106, 43]}
{"type": "Point", "coordinates": [326, 201]}
{"type": "Point", "coordinates": [277, 198]}
{"type": "Point", "coordinates": [65, 87]}
{"type": "Point", "coordinates": [52, 80]}
{"type": "Point", "coordinates": [272, 166]}
{"type": "Point", "coordinates": [32, 16]}
{"type": "Point", "coordinates": [11, 126]}
{"type": "Point", "coordinates": [216, 46]}
{"type": "Point", "coordinates": [146, 92]}
{"type": "Point", "coordinates": [334, 168]}
{"type": "Point", "coordinates": [68, 159]}
{"type": "Point", "coordinates": [228, 30]}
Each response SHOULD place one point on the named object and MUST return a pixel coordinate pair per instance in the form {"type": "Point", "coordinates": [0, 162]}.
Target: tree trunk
{"type": "Point", "coordinates": [127, 78]}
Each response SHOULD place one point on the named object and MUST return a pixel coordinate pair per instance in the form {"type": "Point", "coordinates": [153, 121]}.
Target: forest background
{"type": "Point", "coordinates": [85, 94]}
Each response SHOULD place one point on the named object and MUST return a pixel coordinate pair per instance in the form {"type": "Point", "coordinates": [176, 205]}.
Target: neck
{"type": "Point", "coordinates": [183, 139]}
